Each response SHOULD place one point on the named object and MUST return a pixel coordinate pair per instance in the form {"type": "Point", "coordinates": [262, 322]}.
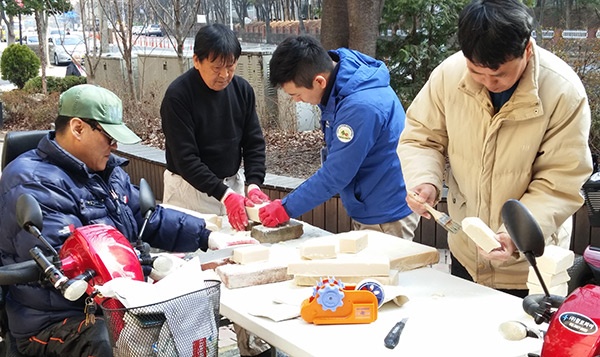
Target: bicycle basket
{"type": "Point", "coordinates": [186, 325]}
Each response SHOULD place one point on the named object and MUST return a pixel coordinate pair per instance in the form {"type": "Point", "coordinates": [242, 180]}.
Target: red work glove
{"type": "Point", "coordinates": [236, 211]}
{"type": "Point", "coordinates": [256, 195]}
{"type": "Point", "coordinates": [273, 214]}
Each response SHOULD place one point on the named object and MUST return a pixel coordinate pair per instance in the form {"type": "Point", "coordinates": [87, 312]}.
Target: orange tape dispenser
{"type": "Point", "coordinates": [334, 303]}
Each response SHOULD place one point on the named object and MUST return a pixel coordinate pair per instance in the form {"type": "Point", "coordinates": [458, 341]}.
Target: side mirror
{"type": "Point", "coordinates": [29, 217]}
{"type": "Point", "coordinates": [147, 206]}
{"type": "Point", "coordinates": [523, 228]}
{"type": "Point", "coordinates": [29, 213]}
{"type": "Point", "coordinates": [529, 239]}
{"type": "Point", "coordinates": [147, 200]}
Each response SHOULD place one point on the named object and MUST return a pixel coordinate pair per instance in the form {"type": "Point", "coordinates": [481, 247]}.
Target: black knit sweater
{"type": "Point", "coordinates": [208, 132]}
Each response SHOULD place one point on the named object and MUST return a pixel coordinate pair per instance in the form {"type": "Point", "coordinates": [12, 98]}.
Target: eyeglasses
{"type": "Point", "coordinates": [95, 126]}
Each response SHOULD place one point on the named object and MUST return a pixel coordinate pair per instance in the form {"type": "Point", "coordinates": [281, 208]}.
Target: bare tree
{"type": "Point", "coordinates": [241, 9]}
{"type": "Point", "coordinates": [263, 11]}
{"type": "Point", "coordinates": [41, 23]}
{"type": "Point", "coordinates": [177, 17]}
{"type": "Point", "coordinates": [119, 14]}
{"type": "Point", "coordinates": [220, 10]}
{"type": "Point", "coordinates": [94, 45]}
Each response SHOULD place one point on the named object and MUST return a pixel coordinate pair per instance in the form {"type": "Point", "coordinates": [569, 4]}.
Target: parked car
{"type": "Point", "coordinates": [137, 30]}
{"type": "Point", "coordinates": [61, 49]}
{"type": "Point", "coordinates": [154, 30]}
{"type": "Point", "coordinates": [32, 41]}
{"type": "Point", "coordinates": [55, 32]}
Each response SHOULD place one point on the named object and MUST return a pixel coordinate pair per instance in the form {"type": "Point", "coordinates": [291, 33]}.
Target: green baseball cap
{"type": "Point", "coordinates": [88, 101]}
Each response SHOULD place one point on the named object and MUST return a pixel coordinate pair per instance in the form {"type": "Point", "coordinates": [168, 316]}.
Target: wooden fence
{"type": "Point", "coordinates": [149, 163]}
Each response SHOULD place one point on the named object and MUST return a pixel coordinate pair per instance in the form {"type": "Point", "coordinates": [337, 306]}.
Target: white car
{"type": "Point", "coordinates": [154, 30]}
{"type": "Point", "coordinates": [137, 30]}
{"type": "Point", "coordinates": [62, 48]}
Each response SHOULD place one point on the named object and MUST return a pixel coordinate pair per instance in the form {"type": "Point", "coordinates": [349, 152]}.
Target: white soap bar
{"type": "Point", "coordinates": [359, 265]}
{"type": "Point", "coordinates": [312, 280]}
{"type": "Point", "coordinates": [480, 233]}
{"type": "Point", "coordinates": [555, 259]}
{"type": "Point", "coordinates": [318, 249]}
{"type": "Point", "coordinates": [560, 289]}
{"type": "Point", "coordinates": [353, 242]}
{"type": "Point", "coordinates": [252, 212]}
{"type": "Point", "coordinates": [213, 222]}
{"type": "Point", "coordinates": [549, 279]}
{"type": "Point", "coordinates": [250, 254]}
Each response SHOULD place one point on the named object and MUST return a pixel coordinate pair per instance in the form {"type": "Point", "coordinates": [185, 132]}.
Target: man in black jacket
{"type": "Point", "coordinates": [210, 124]}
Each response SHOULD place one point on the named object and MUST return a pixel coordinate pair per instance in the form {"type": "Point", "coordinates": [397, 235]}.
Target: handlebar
{"type": "Point", "coordinates": [539, 306]}
{"type": "Point", "coordinates": [19, 273]}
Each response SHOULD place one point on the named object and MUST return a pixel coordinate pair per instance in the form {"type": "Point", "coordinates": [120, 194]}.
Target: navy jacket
{"type": "Point", "coordinates": [72, 195]}
{"type": "Point", "coordinates": [362, 121]}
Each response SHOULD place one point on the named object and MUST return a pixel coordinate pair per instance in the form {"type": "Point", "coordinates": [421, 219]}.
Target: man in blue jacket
{"type": "Point", "coordinates": [362, 119]}
{"type": "Point", "coordinates": [78, 181]}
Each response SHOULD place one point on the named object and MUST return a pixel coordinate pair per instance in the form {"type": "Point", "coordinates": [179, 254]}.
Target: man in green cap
{"type": "Point", "coordinates": [78, 181]}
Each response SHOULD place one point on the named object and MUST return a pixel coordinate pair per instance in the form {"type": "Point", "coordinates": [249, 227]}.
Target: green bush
{"type": "Point", "coordinates": [53, 84]}
{"type": "Point", "coordinates": [19, 64]}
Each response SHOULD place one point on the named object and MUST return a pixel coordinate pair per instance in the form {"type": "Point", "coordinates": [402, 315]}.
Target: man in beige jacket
{"type": "Point", "coordinates": [501, 119]}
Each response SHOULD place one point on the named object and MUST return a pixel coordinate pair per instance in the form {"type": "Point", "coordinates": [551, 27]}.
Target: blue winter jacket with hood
{"type": "Point", "coordinates": [70, 195]}
{"type": "Point", "coordinates": [362, 120]}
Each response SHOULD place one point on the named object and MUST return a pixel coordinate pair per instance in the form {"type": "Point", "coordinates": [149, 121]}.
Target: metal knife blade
{"type": "Point", "coordinates": [220, 254]}
{"type": "Point", "coordinates": [213, 255]}
{"type": "Point", "coordinates": [392, 338]}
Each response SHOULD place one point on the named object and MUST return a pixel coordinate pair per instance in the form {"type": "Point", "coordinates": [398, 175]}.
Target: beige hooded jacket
{"type": "Point", "coordinates": [535, 149]}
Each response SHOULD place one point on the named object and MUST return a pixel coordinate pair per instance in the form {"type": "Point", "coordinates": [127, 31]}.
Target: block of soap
{"type": "Point", "coordinates": [480, 233]}
{"type": "Point", "coordinates": [318, 249]}
{"type": "Point", "coordinates": [353, 242]}
{"type": "Point", "coordinates": [560, 289]}
{"type": "Point", "coordinates": [555, 259]}
{"type": "Point", "coordinates": [251, 254]}
{"type": "Point", "coordinates": [357, 265]}
{"type": "Point", "coordinates": [312, 280]}
{"type": "Point", "coordinates": [213, 222]}
{"type": "Point", "coordinates": [549, 279]}
{"type": "Point", "coordinates": [252, 212]}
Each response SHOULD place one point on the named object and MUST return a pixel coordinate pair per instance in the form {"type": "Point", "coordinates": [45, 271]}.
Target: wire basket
{"type": "Point", "coordinates": [185, 326]}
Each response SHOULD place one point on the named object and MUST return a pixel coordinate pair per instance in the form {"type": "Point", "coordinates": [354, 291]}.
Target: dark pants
{"type": "Point", "coordinates": [460, 271]}
{"type": "Point", "coordinates": [70, 337]}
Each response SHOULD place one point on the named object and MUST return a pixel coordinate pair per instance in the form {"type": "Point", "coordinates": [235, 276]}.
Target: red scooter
{"type": "Point", "coordinates": [91, 256]}
{"type": "Point", "coordinates": [573, 321]}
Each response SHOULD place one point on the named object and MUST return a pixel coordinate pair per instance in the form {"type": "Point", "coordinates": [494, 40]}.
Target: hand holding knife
{"type": "Point", "coordinates": [392, 338]}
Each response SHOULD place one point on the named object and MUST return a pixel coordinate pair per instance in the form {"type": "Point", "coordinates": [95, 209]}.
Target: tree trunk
{"type": "Point", "coordinates": [334, 24]}
{"type": "Point", "coordinates": [568, 8]}
{"type": "Point", "coordinates": [363, 24]}
{"type": "Point", "coordinates": [41, 23]}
